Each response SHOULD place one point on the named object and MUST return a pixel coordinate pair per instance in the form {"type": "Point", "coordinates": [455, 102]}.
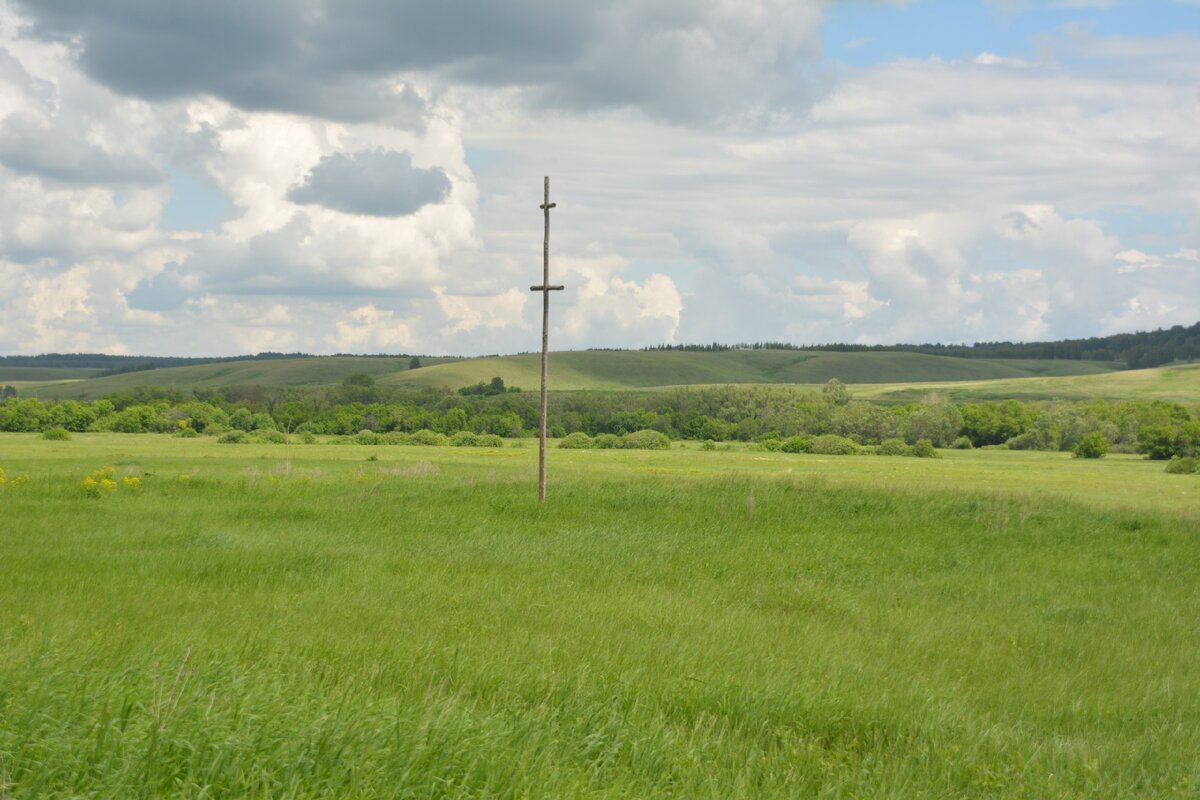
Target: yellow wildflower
{"type": "Point", "coordinates": [108, 485]}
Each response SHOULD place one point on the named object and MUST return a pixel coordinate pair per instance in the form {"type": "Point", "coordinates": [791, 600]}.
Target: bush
{"type": "Point", "coordinates": [187, 433]}
{"type": "Point", "coordinates": [235, 436]}
{"type": "Point", "coordinates": [893, 447]}
{"type": "Point", "coordinates": [963, 443]}
{"type": "Point", "coordinates": [464, 439]}
{"type": "Point", "coordinates": [924, 449]}
{"type": "Point", "coordinates": [606, 441]}
{"type": "Point", "coordinates": [428, 438]}
{"type": "Point", "coordinates": [1093, 445]}
{"type": "Point", "coordinates": [796, 444]}
{"type": "Point", "coordinates": [832, 445]}
{"type": "Point", "coordinates": [709, 444]}
{"type": "Point", "coordinates": [57, 434]}
{"type": "Point", "coordinates": [368, 437]}
{"type": "Point", "coordinates": [307, 437]}
{"type": "Point", "coordinates": [489, 440]}
{"type": "Point", "coordinates": [1185, 465]}
{"type": "Point", "coordinates": [270, 436]}
{"type": "Point", "coordinates": [646, 440]}
{"type": "Point", "coordinates": [576, 441]}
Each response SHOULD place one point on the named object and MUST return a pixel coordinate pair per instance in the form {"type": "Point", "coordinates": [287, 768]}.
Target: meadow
{"type": "Point", "coordinates": [352, 621]}
{"type": "Point", "coordinates": [579, 370]}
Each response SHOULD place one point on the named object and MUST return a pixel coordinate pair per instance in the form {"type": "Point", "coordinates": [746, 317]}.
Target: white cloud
{"type": "Point", "coordinates": [914, 200]}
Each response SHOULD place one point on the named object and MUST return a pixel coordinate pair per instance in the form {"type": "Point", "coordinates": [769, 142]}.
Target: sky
{"type": "Point", "coordinates": [364, 176]}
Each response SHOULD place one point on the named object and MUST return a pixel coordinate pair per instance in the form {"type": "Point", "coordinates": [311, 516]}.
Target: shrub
{"type": "Point", "coordinates": [832, 445]}
{"type": "Point", "coordinates": [270, 436]}
{"type": "Point", "coordinates": [771, 442]}
{"type": "Point", "coordinates": [368, 437]}
{"type": "Point", "coordinates": [1093, 445]}
{"type": "Point", "coordinates": [893, 447]}
{"type": "Point", "coordinates": [307, 437]}
{"type": "Point", "coordinates": [646, 440]}
{"type": "Point", "coordinates": [489, 440]}
{"type": "Point", "coordinates": [235, 436]}
{"type": "Point", "coordinates": [607, 441]}
{"type": "Point", "coordinates": [428, 438]}
{"type": "Point", "coordinates": [187, 433]}
{"type": "Point", "coordinates": [963, 443]}
{"type": "Point", "coordinates": [464, 439]}
{"type": "Point", "coordinates": [796, 444]}
{"type": "Point", "coordinates": [1182, 465]}
{"type": "Point", "coordinates": [709, 444]}
{"type": "Point", "coordinates": [924, 449]}
{"type": "Point", "coordinates": [56, 434]}
{"type": "Point", "coordinates": [576, 441]}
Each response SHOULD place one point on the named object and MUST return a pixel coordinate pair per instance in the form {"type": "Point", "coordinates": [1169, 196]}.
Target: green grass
{"type": "Point", "coordinates": [323, 371]}
{"type": "Point", "coordinates": [579, 370]}
{"type": "Point", "coordinates": [304, 622]}
{"type": "Point", "coordinates": [1179, 383]}
{"type": "Point", "coordinates": [634, 369]}
{"type": "Point", "coordinates": [12, 374]}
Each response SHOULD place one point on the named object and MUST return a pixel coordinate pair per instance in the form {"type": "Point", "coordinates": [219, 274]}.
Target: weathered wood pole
{"type": "Point", "coordinates": [545, 289]}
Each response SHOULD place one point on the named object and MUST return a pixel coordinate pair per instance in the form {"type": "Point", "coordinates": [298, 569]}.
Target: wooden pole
{"type": "Point", "coordinates": [545, 289]}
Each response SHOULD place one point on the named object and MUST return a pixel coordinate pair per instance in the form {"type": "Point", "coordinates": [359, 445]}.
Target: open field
{"type": "Point", "coordinates": [10, 375]}
{"type": "Point", "coordinates": [584, 370]}
{"type": "Point", "coordinates": [303, 621]}
{"type": "Point", "coordinates": [1180, 383]}
{"type": "Point", "coordinates": [324, 371]}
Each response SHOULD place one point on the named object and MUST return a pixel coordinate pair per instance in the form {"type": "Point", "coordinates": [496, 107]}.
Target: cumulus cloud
{"type": "Point", "coordinates": [346, 60]}
{"type": "Point", "coordinates": [381, 165]}
{"type": "Point", "coordinates": [378, 183]}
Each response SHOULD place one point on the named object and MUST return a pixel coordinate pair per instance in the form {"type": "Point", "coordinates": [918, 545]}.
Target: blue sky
{"type": "Point", "coordinates": [864, 34]}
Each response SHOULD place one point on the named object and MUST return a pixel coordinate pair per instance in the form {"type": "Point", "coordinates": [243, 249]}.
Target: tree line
{"type": "Point", "coordinates": [1137, 350]}
{"type": "Point", "coordinates": [729, 413]}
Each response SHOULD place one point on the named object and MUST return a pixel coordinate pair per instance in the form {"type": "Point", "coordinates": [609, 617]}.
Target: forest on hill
{"type": "Point", "coordinates": [1139, 350]}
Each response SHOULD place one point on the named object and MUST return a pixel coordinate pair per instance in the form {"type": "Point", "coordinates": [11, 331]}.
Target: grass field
{"type": "Point", "coordinates": [582, 370]}
{"type": "Point", "coordinates": [324, 371]}
{"type": "Point", "coordinates": [306, 622]}
{"type": "Point", "coordinates": [1180, 383]}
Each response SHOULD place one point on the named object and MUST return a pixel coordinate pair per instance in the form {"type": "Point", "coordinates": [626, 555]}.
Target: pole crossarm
{"type": "Point", "coordinates": [546, 288]}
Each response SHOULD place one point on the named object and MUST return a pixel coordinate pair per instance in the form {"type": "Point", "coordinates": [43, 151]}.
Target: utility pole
{"type": "Point", "coordinates": [545, 289]}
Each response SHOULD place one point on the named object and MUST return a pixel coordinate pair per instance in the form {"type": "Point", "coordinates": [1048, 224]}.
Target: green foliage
{"type": "Point", "coordinates": [709, 445]}
{"type": "Point", "coordinates": [795, 444]}
{"type": "Point", "coordinates": [368, 437]}
{"type": "Point", "coordinates": [489, 440]}
{"type": "Point", "coordinates": [832, 445]}
{"type": "Point", "coordinates": [1093, 445]}
{"type": "Point", "coordinates": [233, 437]}
{"type": "Point", "coordinates": [576, 441]}
{"type": "Point", "coordinates": [270, 436]}
{"type": "Point", "coordinates": [962, 443]}
{"type": "Point", "coordinates": [464, 439]}
{"type": "Point", "coordinates": [835, 392]}
{"type": "Point", "coordinates": [606, 441]}
{"type": "Point", "coordinates": [56, 434]}
{"type": "Point", "coordinates": [894, 447]}
{"type": "Point", "coordinates": [427, 438]}
{"type": "Point", "coordinates": [646, 440]}
{"type": "Point", "coordinates": [1183, 465]}
{"type": "Point", "coordinates": [923, 448]}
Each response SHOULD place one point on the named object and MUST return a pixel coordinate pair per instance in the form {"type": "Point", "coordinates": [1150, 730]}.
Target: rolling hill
{"type": "Point", "coordinates": [600, 369]}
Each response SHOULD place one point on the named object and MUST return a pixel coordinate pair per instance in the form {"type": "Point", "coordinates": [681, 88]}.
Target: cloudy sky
{"type": "Point", "coordinates": [220, 177]}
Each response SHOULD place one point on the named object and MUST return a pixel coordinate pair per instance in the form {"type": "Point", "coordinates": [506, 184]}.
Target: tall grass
{"type": "Point", "coordinates": [678, 624]}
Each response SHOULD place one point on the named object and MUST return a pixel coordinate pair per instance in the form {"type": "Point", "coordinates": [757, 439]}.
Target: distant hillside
{"type": "Point", "coordinates": [603, 369]}
{"type": "Point", "coordinates": [576, 370]}
{"type": "Point", "coordinates": [1179, 383]}
{"type": "Point", "coordinates": [1135, 350]}
{"type": "Point", "coordinates": [323, 371]}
